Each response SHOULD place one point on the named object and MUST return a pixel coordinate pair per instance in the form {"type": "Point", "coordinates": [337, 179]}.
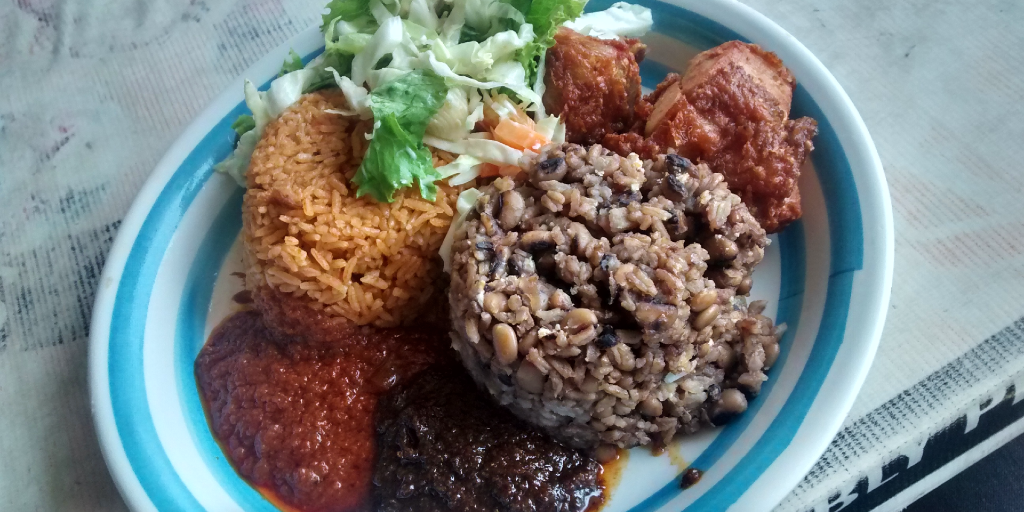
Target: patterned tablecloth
{"type": "Point", "coordinates": [93, 92]}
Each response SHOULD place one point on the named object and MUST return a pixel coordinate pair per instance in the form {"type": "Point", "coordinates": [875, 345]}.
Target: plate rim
{"type": "Point", "coordinates": [749, 22]}
{"type": "Point", "coordinates": [125, 477]}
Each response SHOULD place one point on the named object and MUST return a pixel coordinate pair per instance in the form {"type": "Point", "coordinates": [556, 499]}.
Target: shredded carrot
{"type": "Point", "coordinates": [509, 170]}
{"type": "Point", "coordinates": [488, 170]}
{"type": "Point", "coordinates": [518, 135]}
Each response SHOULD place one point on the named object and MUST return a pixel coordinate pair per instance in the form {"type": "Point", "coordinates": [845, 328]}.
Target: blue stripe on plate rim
{"type": "Point", "coordinates": [127, 391]}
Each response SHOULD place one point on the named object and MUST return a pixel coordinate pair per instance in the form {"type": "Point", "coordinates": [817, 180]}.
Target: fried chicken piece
{"type": "Point", "coordinates": [731, 110]}
{"type": "Point", "coordinates": [594, 84]}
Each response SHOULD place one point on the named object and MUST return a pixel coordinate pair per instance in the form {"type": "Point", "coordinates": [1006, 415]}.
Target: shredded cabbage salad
{"type": "Point", "coordinates": [430, 73]}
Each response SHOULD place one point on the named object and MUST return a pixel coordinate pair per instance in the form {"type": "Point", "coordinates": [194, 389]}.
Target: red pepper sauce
{"type": "Point", "coordinates": [296, 418]}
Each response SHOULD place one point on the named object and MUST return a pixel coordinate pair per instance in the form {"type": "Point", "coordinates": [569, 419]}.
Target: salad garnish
{"type": "Point", "coordinates": [462, 76]}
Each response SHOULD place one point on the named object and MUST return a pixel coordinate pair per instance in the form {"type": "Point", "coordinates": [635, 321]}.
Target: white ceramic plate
{"type": "Point", "coordinates": [167, 283]}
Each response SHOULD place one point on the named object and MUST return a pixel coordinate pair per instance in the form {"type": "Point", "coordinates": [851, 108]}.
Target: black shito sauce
{"type": "Point", "coordinates": [445, 445]}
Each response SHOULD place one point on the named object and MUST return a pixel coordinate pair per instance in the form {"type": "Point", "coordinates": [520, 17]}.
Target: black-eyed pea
{"type": "Point", "coordinates": [560, 300]}
{"type": "Point", "coordinates": [706, 317]}
{"type": "Point", "coordinates": [530, 378]}
{"type": "Point", "coordinates": [579, 319]}
{"type": "Point", "coordinates": [651, 406]}
{"type": "Point", "coordinates": [721, 248]}
{"type": "Point", "coordinates": [512, 208]}
{"type": "Point", "coordinates": [733, 401]}
{"type": "Point", "coordinates": [582, 336]}
{"type": "Point", "coordinates": [744, 286]}
{"type": "Point", "coordinates": [581, 237]}
{"type": "Point", "coordinates": [506, 348]}
{"type": "Point", "coordinates": [495, 302]}
{"type": "Point", "coordinates": [771, 352]}
{"type": "Point", "coordinates": [703, 299]}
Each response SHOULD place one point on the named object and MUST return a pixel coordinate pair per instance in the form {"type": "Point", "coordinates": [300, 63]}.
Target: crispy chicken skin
{"type": "Point", "coordinates": [594, 84]}
{"type": "Point", "coordinates": [731, 110]}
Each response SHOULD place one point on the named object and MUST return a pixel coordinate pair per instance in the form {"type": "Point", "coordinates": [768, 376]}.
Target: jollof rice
{"type": "Point", "coordinates": [306, 233]}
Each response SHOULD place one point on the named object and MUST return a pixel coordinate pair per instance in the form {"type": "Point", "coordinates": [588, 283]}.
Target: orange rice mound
{"type": "Point", "coordinates": [307, 235]}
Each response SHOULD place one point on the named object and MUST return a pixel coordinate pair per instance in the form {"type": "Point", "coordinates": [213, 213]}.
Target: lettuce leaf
{"type": "Point", "coordinates": [237, 163]}
{"type": "Point", "coordinates": [522, 6]}
{"type": "Point", "coordinates": [341, 62]}
{"type": "Point", "coordinates": [484, 18]}
{"type": "Point", "coordinates": [347, 28]}
{"type": "Point", "coordinates": [546, 16]}
{"type": "Point", "coordinates": [357, 96]}
{"type": "Point", "coordinates": [396, 157]}
{"type": "Point", "coordinates": [345, 10]}
{"type": "Point", "coordinates": [292, 63]}
{"type": "Point", "coordinates": [384, 41]}
{"type": "Point", "coordinates": [244, 123]}
{"type": "Point", "coordinates": [265, 107]}
{"type": "Point", "coordinates": [450, 122]}
{"type": "Point", "coordinates": [463, 205]}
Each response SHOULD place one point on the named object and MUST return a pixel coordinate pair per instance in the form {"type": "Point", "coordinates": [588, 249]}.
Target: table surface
{"type": "Point", "coordinates": [95, 91]}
